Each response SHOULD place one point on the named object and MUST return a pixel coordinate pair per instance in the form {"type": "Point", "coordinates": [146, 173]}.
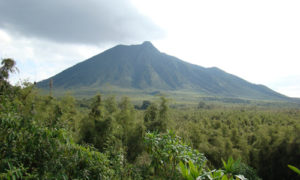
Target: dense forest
{"type": "Point", "coordinates": [46, 137]}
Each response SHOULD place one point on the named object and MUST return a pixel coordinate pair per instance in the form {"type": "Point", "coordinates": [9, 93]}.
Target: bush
{"type": "Point", "coordinates": [28, 150]}
{"type": "Point", "coordinates": [167, 150]}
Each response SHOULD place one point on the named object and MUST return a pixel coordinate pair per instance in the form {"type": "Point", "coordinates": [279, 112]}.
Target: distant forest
{"type": "Point", "coordinates": [47, 137]}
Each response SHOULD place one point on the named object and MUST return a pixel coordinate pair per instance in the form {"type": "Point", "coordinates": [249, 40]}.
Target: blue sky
{"type": "Point", "coordinates": [257, 40]}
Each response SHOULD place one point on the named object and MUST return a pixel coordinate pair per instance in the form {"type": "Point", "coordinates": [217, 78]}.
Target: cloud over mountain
{"type": "Point", "coordinates": [84, 22]}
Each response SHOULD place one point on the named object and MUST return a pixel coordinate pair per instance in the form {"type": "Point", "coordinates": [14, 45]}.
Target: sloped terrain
{"type": "Point", "coordinates": [143, 67]}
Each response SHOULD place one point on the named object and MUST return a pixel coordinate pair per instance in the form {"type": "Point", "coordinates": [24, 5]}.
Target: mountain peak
{"type": "Point", "coordinates": [148, 45]}
{"type": "Point", "coordinates": [142, 67]}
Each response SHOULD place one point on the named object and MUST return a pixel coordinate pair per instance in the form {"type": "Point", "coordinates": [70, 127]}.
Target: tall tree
{"type": "Point", "coordinates": [156, 118]}
{"type": "Point", "coordinates": [8, 66]}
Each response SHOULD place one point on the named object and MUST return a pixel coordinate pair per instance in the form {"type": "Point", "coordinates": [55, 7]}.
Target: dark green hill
{"type": "Point", "coordinates": [144, 68]}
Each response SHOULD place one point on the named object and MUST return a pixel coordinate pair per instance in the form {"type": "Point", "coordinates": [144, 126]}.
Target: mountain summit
{"type": "Point", "coordinates": [144, 67]}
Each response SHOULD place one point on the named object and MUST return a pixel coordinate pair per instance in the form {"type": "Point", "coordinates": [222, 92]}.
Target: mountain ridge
{"type": "Point", "coordinates": [144, 67]}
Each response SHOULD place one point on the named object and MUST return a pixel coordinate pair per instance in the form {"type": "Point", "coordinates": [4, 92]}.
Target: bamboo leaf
{"type": "Point", "coordinates": [294, 169]}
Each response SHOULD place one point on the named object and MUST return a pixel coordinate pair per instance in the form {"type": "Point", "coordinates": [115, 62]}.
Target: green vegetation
{"type": "Point", "coordinates": [43, 137]}
{"type": "Point", "coordinates": [166, 151]}
{"type": "Point", "coordinates": [265, 139]}
{"type": "Point", "coordinates": [296, 170]}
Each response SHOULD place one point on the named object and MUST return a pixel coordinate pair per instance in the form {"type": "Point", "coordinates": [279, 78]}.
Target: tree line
{"type": "Point", "coordinates": [44, 137]}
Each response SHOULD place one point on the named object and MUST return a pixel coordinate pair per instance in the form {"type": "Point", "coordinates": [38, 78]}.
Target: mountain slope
{"type": "Point", "coordinates": [143, 67]}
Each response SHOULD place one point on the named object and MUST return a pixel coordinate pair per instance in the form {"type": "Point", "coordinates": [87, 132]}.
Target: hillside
{"type": "Point", "coordinates": [144, 68]}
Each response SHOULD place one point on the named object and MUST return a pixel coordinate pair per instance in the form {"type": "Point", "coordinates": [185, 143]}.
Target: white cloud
{"type": "Point", "coordinates": [4, 37]}
{"type": "Point", "coordinates": [38, 59]}
{"type": "Point", "coordinates": [287, 85]}
{"type": "Point", "coordinates": [82, 22]}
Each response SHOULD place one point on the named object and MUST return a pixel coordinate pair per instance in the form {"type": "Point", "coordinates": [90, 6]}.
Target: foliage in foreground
{"type": "Point", "coordinates": [42, 137]}
{"type": "Point", "coordinates": [45, 152]}
{"type": "Point", "coordinates": [173, 159]}
{"type": "Point", "coordinates": [265, 139]}
{"type": "Point", "coordinates": [38, 143]}
{"type": "Point", "coordinates": [167, 150]}
{"type": "Point", "coordinates": [36, 137]}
